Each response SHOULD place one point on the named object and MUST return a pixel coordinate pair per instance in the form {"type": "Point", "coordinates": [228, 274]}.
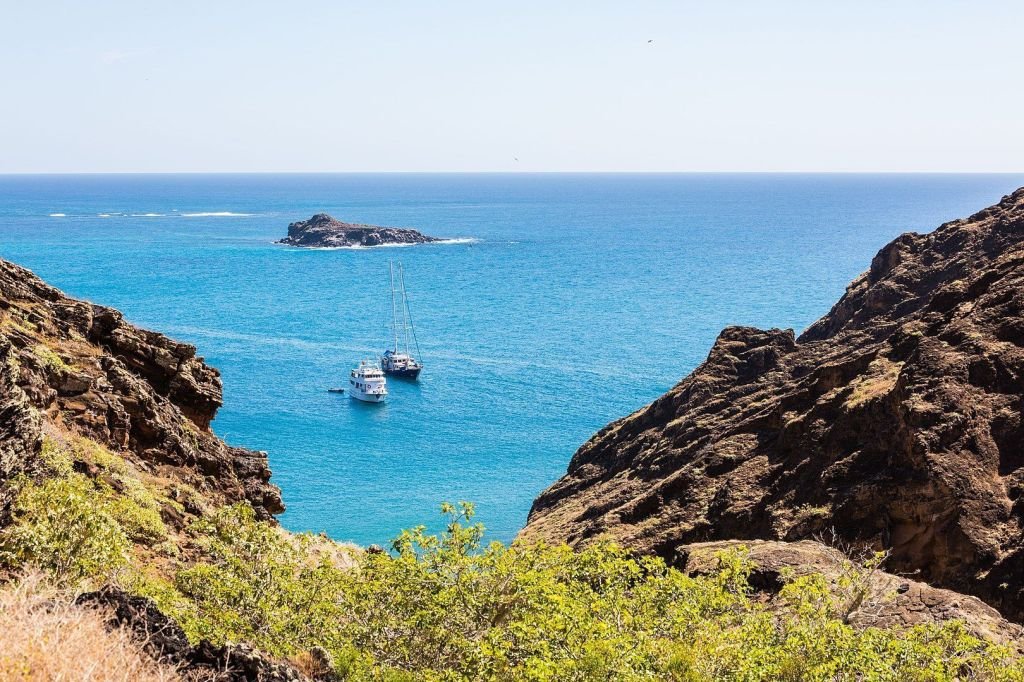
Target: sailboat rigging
{"type": "Point", "coordinates": [396, 361]}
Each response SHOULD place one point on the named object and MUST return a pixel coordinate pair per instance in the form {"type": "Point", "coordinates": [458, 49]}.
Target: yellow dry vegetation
{"type": "Point", "coordinates": [879, 380]}
{"type": "Point", "coordinates": [44, 635]}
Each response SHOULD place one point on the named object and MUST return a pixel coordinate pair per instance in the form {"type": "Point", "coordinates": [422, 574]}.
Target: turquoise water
{"type": "Point", "coordinates": [582, 298]}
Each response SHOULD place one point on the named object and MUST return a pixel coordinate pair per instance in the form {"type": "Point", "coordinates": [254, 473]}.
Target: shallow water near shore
{"type": "Point", "coordinates": [566, 301]}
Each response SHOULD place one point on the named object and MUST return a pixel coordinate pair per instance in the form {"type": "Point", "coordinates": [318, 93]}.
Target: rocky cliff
{"type": "Point", "coordinates": [79, 368]}
{"type": "Point", "coordinates": [894, 420]}
{"type": "Point", "coordinates": [324, 231]}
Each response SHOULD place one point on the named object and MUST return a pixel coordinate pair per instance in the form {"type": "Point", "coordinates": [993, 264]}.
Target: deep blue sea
{"type": "Point", "coordinates": [582, 298]}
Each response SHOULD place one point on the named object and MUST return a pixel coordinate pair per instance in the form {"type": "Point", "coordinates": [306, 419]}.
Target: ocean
{"type": "Point", "coordinates": [565, 301]}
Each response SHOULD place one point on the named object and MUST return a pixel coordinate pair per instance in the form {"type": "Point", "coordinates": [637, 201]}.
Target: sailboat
{"type": "Point", "coordinates": [396, 361]}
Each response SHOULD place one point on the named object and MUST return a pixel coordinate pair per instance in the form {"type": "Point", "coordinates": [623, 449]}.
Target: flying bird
{"type": "Point", "coordinates": [650, 41]}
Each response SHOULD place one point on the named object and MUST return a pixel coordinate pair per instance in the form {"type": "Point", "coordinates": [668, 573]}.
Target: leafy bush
{"type": "Point", "coordinates": [259, 585]}
{"type": "Point", "coordinates": [56, 457]}
{"type": "Point", "coordinates": [137, 513]}
{"type": "Point", "coordinates": [119, 489]}
{"type": "Point", "coordinates": [447, 607]}
{"type": "Point", "coordinates": [77, 527]}
{"type": "Point", "coordinates": [64, 527]}
{"type": "Point", "coordinates": [50, 359]}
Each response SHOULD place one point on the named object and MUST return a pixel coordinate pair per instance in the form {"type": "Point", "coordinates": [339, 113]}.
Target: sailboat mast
{"type": "Point", "coordinates": [408, 316]}
{"type": "Point", "coordinates": [394, 306]}
{"type": "Point", "coordinates": [405, 308]}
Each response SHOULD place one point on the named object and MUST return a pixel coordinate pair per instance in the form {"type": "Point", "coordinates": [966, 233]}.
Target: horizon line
{"type": "Point", "coordinates": [516, 172]}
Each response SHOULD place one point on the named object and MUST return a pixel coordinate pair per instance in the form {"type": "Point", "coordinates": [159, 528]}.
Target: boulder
{"type": "Point", "coordinates": [870, 597]}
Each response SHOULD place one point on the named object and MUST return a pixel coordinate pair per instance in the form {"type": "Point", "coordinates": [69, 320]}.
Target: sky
{"type": "Point", "coordinates": [403, 85]}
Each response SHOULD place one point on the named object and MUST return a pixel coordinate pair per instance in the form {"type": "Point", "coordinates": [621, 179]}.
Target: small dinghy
{"type": "Point", "coordinates": [335, 390]}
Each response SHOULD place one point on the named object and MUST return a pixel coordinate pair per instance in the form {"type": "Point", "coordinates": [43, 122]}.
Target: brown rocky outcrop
{"type": "Point", "coordinates": [324, 231]}
{"type": "Point", "coordinates": [895, 420]}
{"type": "Point", "coordinates": [84, 369]}
{"type": "Point", "coordinates": [20, 427]}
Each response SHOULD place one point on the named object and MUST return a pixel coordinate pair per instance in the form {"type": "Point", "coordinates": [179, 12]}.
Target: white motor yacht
{"type": "Point", "coordinates": [367, 383]}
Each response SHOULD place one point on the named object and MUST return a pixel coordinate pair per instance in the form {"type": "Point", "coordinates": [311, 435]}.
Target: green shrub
{"type": "Point", "coordinates": [137, 512]}
{"type": "Point", "coordinates": [258, 584]}
{"type": "Point", "coordinates": [118, 486]}
{"type": "Point", "coordinates": [64, 527]}
{"type": "Point", "coordinates": [50, 359]}
{"type": "Point", "coordinates": [447, 607]}
{"type": "Point", "coordinates": [56, 457]}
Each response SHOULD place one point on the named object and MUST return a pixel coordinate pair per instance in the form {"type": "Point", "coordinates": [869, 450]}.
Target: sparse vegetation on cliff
{"type": "Point", "coordinates": [64, 527]}
{"type": "Point", "coordinates": [449, 606]}
{"type": "Point", "coordinates": [49, 358]}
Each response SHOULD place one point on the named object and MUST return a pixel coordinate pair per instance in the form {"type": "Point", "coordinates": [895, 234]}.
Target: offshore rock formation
{"type": "Point", "coordinates": [81, 368]}
{"type": "Point", "coordinates": [894, 420]}
{"type": "Point", "coordinates": [324, 231]}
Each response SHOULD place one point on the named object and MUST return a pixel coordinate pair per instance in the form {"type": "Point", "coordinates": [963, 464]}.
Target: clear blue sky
{"type": "Point", "coordinates": [396, 85]}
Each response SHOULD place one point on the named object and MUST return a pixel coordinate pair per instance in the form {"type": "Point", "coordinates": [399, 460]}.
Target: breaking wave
{"type": "Point", "coordinates": [360, 247]}
{"type": "Point", "coordinates": [215, 214]}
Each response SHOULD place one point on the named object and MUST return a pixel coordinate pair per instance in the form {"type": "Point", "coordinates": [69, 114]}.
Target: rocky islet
{"type": "Point", "coordinates": [323, 231]}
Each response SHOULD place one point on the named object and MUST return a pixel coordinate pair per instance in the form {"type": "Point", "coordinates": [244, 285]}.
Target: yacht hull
{"type": "Point", "coordinates": [367, 398]}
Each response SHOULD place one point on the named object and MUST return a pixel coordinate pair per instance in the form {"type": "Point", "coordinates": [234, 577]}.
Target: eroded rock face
{"type": "Point", "coordinates": [20, 427]}
{"type": "Point", "coordinates": [895, 420]}
{"type": "Point", "coordinates": [324, 231]}
{"type": "Point", "coordinates": [868, 598]}
{"type": "Point", "coordinates": [83, 367]}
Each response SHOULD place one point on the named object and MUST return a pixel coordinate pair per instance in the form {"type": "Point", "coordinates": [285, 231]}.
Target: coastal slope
{"type": "Point", "coordinates": [895, 421]}
{"type": "Point", "coordinates": [71, 368]}
{"type": "Point", "coordinates": [323, 231]}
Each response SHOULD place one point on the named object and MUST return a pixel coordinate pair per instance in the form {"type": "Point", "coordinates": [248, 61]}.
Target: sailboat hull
{"type": "Point", "coordinates": [405, 373]}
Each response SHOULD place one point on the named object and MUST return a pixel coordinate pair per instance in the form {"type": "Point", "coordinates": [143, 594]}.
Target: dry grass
{"type": "Point", "coordinates": [343, 555]}
{"type": "Point", "coordinates": [879, 380]}
{"type": "Point", "coordinates": [45, 636]}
